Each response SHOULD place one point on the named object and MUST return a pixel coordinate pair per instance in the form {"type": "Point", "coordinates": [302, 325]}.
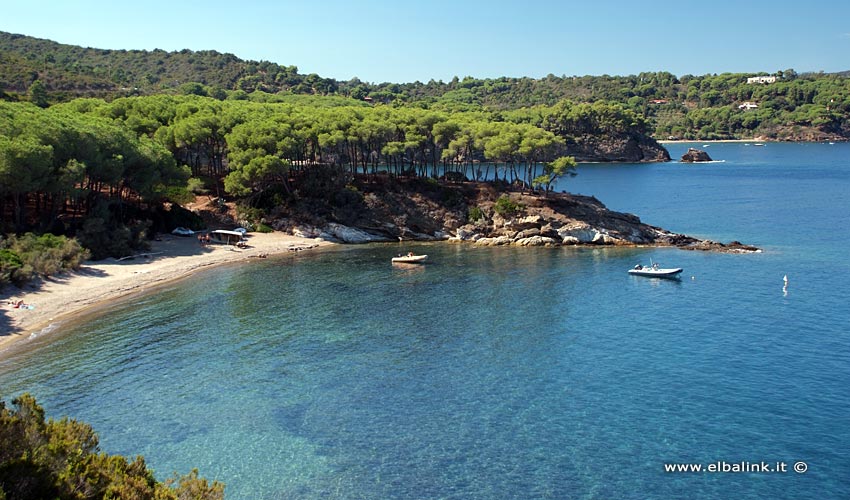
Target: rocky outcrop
{"type": "Point", "coordinates": [331, 231]}
{"type": "Point", "coordinates": [695, 155]}
{"type": "Point", "coordinates": [420, 210]}
{"type": "Point", "coordinates": [628, 148]}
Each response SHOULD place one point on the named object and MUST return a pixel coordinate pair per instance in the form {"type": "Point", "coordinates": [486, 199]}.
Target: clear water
{"type": "Point", "coordinates": [499, 372]}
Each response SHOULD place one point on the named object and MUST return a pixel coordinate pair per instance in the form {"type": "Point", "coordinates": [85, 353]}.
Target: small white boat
{"type": "Point", "coordinates": [654, 271]}
{"type": "Point", "coordinates": [410, 258]}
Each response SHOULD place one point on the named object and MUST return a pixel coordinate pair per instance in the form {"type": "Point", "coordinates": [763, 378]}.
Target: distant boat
{"type": "Point", "coordinates": [410, 259]}
{"type": "Point", "coordinates": [654, 271]}
{"type": "Point", "coordinates": [758, 144]}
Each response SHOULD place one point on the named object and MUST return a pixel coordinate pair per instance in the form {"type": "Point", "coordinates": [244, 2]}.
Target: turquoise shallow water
{"type": "Point", "coordinates": [499, 372]}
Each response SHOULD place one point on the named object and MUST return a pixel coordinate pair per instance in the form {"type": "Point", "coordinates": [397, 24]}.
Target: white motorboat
{"type": "Point", "coordinates": [410, 258]}
{"type": "Point", "coordinates": [654, 271]}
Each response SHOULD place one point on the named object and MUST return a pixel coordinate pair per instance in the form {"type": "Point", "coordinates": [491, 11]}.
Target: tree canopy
{"type": "Point", "coordinates": [795, 106]}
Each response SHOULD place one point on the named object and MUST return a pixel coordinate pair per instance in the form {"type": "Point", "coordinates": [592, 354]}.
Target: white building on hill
{"type": "Point", "coordinates": [761, 79]}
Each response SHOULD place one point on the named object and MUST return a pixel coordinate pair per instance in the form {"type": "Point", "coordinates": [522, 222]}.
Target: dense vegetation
{"type": "Point", "coordinates": [795, 107]}
{"type": "Point", "coordinates": [103, 170]}
{"type": "Point", "coordinates": [24, 257]}
{"type": "Point", "coordinates": [61, 459]}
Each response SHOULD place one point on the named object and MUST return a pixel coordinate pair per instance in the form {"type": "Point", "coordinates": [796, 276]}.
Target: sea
{"type": "Point", "coordinates": [496, 373]}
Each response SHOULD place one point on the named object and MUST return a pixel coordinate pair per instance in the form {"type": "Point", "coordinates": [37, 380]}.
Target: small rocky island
{"type": "Point", "coordinates": [694, 155]}
{"type": "Point", "coordinates": [396, 209]}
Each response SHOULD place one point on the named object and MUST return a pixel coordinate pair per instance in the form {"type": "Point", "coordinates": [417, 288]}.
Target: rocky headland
{"type": "Point", "coordinates": [622, 147]}
{"type": "Point", "coordinates": [392, 209]}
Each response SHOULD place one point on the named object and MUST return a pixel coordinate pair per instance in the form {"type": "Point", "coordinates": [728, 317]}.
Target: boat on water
{"type": "Point", "coordinates": [654, 271]}
{"type": "Point", "coordinates": [410, 258]}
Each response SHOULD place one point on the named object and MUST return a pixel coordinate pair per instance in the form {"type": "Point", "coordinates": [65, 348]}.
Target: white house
{"type": "Point", "coordinates": [748, 105]}
{"type": "Point", "coordinates": [761, 79]}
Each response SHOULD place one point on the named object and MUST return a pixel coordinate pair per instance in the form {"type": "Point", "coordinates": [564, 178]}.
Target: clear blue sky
{"type": "Point", "coordinates": [404, 41]}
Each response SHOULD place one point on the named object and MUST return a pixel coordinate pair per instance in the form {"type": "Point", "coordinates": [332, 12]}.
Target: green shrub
{"type": "Point", "coordinates": [263, 228]}
{"type": "Point", "coordinates": [475, 214]}
{"type": "Point", "coordinates": [249, 216]}
{"type": "Point", "coordinates": [196, 186]}
{"type": "Point", "coordinates": [23, 257]}
{"type": "Point", "coordinates": [62, 459]}
{"type": "Point", "coordinates": [104, 240]}
{"type": "Point", "coordinates": [506, 207]}
{"type": "Point", "coordinates": [10, 265]}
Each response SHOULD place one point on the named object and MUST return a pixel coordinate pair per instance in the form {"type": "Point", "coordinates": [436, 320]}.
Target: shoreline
{"type": "Point", "coordinates": [98, 283]}
{"type": "Point", "coordinates": [697, 141]}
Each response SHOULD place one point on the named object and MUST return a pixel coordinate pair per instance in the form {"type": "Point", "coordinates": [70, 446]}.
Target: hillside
{"type": "Point", "coordinates": [793, 107]}
{"type": "Point", "coordinates": [69, 71]}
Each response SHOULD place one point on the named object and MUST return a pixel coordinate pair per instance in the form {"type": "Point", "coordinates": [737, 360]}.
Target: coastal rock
{"type": "Point", "coordinates": [464, 234]}
{"type": "Point", "coordinates": [348, 234]}
{"type": "Point", "coordinates": [528, 233]}
{"type": "Point", "coordinates": [412, 209]}
{"type": "Point", "coordinates": [550, 230]}
{"type": "Point", "coordinates": [624, 147]}
{"type": "Point", "coordinates": [695, 155]}
{"type": "Point", "coordinates": [581, 233]}
{"type": "Point", "coordinates": [535, 241]}
{"type": "Point", "coordinates": [497, 241]}
{"type": "Point", "coordinates": [299, 230]}
{"type": "Point", "coordinates": [528, 222]}
{"type": "Point", "coordinates": [604, 239]}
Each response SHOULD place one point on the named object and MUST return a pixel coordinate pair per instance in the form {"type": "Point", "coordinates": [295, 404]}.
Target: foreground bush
{"type": "Point", "coordinates": [50, 459]}
{"type": "Point", "coordinates": [24, 257]}
{"type": "Point", "coordinates": [506, 207]}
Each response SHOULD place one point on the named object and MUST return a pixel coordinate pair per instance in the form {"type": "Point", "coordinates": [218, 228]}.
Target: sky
{"type": "Point", "coordinates": [405, 41]}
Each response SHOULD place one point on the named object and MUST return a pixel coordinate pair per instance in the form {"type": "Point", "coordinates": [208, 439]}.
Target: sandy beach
{"type": "Point", "coordinates": [99, 282]}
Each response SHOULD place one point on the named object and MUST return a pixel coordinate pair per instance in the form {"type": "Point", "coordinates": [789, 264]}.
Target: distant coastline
{"type": "Point", "coordinates": [700, 141]}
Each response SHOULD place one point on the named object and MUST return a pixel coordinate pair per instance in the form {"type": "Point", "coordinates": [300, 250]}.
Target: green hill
{"type": "Point", "coordinates": [69, 71]}
{"type": "Point", "coordinates": [793, 107]}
